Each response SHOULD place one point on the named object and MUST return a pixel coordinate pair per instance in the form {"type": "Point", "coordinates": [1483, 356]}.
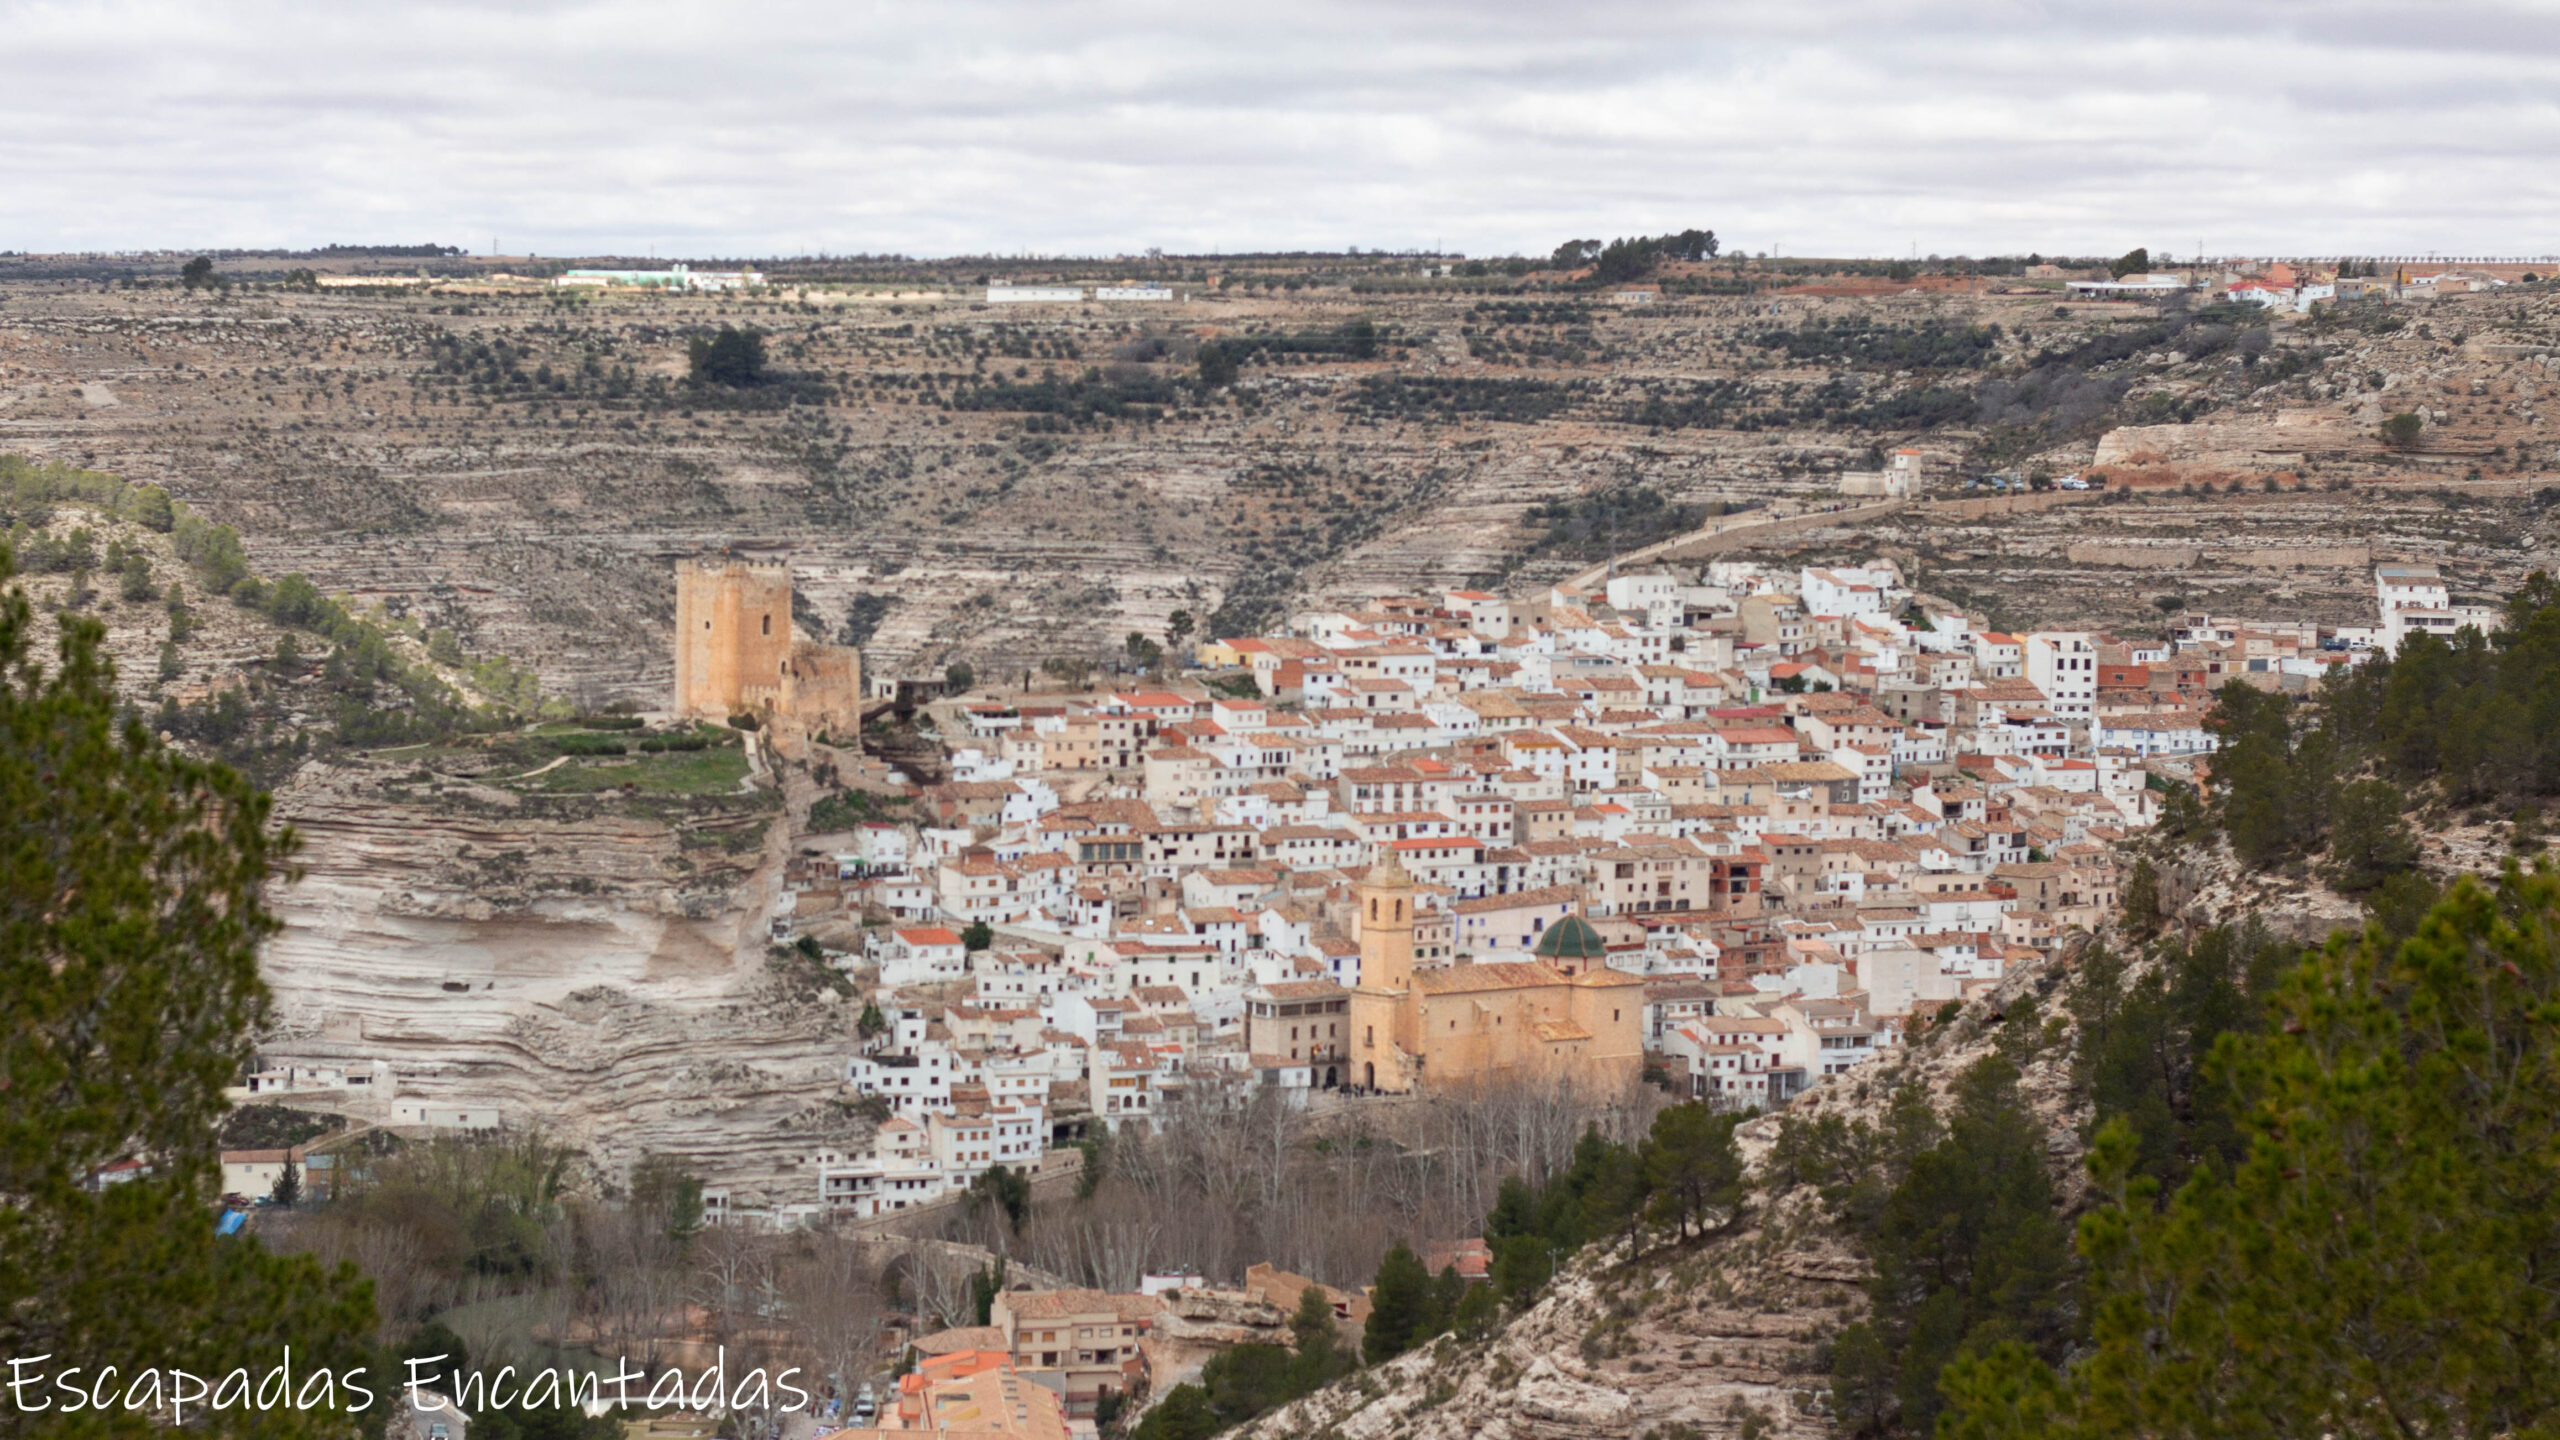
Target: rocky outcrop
{"type": "Point", "coordinates": [1221, 1317]}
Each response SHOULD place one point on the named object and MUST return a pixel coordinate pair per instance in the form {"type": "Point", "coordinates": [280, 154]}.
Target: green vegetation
{"type": "Point", "coordinates": [1857, 343]}
{"type": "Point", "coordinates": [1402, 1302]}
{"type": "Point", "coordinates": [1958, 1216]}
{"type": "Point", "coordinates": [2473, 720]}
{"type": "Point", "coordinates": [715, 770]}
{"type": "Point", "coordinates": [1966, 1248]}
{"type": "Point", "coordinates": [733, 357]}
{"type": "Point", "coordinates": [1006, 1189]}
{"type": "Point", "coordinates": [1727, 404]}
{"type": "Point", "coordinates": [1244, 1381]}
{"type": "Point", "coordinates": [1439, 398]}
{"type": "Point", "coordinates": [1633, 257]}
{"type": "Point", "coordinates": [2370, 1259]}
{"type": "Point", "coordinates": [1613, 521]}
{"type": "Point", "coordinates": [862, 617]}
{"type": "Point", "coordinates": [1217, 366]}
{"type": "Point", "coordinates": [370, 692]}
{"type": "Point", "coordinates": [1686, 1176]}
{"type": "Point", "coordinates": [1358, 339]}
{"type": "Point", "coordinates": [846, 809]}
{"type": "Point", "coordinates": [1126, 394]}
{"type": "Point", "coordinates": [272, 1127]}
{"type": "Point", "coordinates": [131, 910]}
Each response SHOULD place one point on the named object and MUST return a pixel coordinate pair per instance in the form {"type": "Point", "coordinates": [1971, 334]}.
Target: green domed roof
{"type": "Point", "coordinates": [1571, 938]}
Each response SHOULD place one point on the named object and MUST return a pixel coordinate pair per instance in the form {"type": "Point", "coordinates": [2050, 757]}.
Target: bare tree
{"type": "Point", "coordinates": [732, 1275]}
{"type": "Point", "coordinates": [834, 1307]}
{"type": "Point", "coordinates": [942, 1286]}
{"type": "Point", "coordinates": [1229, 1180]}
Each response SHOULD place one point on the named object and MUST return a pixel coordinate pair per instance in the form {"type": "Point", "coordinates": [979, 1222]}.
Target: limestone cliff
{"type": "Point", "coordinates": [592, 964]}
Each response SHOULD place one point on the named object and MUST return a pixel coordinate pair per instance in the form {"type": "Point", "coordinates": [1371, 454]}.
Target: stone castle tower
{"type": "Point", "coordinates": [736, 654]}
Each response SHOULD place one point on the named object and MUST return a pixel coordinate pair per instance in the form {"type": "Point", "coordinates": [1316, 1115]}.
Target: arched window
{"type": "Point", "coordinates": [1399, 910]}
{"type": "Point", "coordinates": [1373, 907]}
{"type": "Point", "coordinates": [768, 624]}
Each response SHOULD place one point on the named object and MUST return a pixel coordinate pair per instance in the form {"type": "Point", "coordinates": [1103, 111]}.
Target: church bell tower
{"type": "Point", "coordinates": [1386, 927]}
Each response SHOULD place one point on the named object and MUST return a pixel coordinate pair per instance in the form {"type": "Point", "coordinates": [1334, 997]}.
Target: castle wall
{"type": "Point", "coordinates": [822, 687]}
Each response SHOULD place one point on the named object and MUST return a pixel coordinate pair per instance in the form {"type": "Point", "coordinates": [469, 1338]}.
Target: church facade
{"type": "Point", "coordinates": [1562, 1015]}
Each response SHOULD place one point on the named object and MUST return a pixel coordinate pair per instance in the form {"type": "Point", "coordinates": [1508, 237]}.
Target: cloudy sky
{"type": "Point", "coordinates": [1100, 126]}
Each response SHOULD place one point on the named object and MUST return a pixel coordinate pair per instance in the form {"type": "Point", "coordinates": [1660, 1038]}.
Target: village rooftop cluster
{"type": "Point", "coordinates": [1734, 833]}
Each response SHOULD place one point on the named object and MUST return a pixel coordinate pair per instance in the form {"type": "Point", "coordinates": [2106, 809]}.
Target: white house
{"type": "Point", "coordinates": [919, 955]}
{"type": "Point", "coordinates": [2064, 665]}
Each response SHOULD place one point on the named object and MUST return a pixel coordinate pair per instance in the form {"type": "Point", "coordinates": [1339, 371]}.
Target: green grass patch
{"type": "Point", "coordinates": [685, 772]}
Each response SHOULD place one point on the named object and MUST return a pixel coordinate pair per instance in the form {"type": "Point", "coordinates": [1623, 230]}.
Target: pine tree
{"type": "Point", "coordinates": [2371, 842]}
{"type": "Point", "coordinates": [1397, 1300]}
{"type": "Point", "coordinates": [2376, 1263]}
{"type": "Point", "coordinates": [2142, 900]}
{"type": "Point", "coordinates": [132, 885]}
{"type": "Point", "coordinates": [1967, 1251]}
{"type": "Point", "coordinates": [1693, 1168]}
{"type": "Point", "coordinates": [1320, 1358]}
{"type": "Point", "coordinates": [151, 508]}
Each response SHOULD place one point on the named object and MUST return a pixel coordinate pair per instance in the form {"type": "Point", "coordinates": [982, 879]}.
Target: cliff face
{"type": "Point", "coordinates": [589, 964]}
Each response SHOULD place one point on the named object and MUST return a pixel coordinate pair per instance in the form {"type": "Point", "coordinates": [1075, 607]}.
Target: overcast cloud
{"type": "Point", "coordinates": [1819, 126]}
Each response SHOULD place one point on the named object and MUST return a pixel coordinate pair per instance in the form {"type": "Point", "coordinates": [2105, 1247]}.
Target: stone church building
{"type": "Point", "coordinates": [1563, 1014]}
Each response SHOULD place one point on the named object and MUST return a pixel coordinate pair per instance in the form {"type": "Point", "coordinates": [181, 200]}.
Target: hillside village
{"type": "Point", "coordinates": [1777, 818]}
{"type": "Point", "coordinates": [1723, 832]}
{"type": "Point", "coordinates": [1718, 829]}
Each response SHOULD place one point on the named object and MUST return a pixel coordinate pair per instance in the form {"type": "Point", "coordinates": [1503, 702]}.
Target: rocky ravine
{"type": "Point", "coordinates": [599, 973]}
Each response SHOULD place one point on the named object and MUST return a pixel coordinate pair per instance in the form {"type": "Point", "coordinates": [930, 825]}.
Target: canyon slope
{"type": "Point", "coordinates": [1008, 484]}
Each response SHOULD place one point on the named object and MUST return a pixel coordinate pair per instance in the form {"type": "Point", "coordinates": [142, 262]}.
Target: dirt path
{"type": "Point", "coordinates": [1731, 528]}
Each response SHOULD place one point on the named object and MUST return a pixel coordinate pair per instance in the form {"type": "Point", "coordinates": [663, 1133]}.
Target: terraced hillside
{"type": "Point", "coordinates": [1004, 484]}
